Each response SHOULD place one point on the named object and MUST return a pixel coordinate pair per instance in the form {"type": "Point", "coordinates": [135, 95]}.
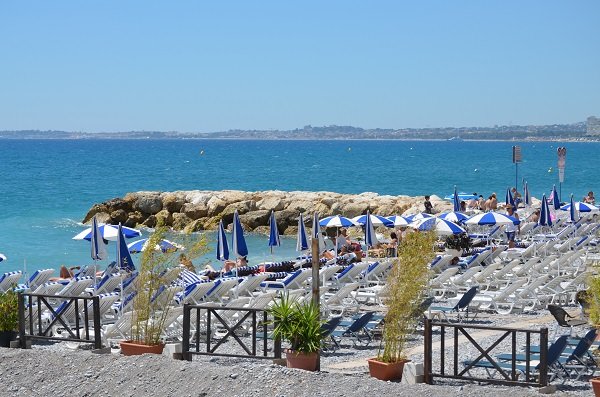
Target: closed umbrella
{"type": "Point", "coordinates": [455, 201]}
{"type": "Point", "coordinates": [316, 232]}
{"type": "Point", "coordinates": [510, 200]}
{"type": "Point", "coordinates": [545, 219]}
{"type": "Point", "coordinates": [555, 198]}
{"type": "Point", "coordinates": [370, 237]}
{"type": "Point", "coordinates": [526, 195]}
{"type": "Point", "coordinates": [573, 213]}
{"type": "Point", "coordinates": [124, 261]}
{"type": "Point", "coordinates": [301, 239]}
{"type": "Point", "coordinates": [97, 243]}
{"type": "Point", "coordinates": [274, 240]}
{"type": "Point", "coordinates": [222, 246]}
{"type": "Point", "coordinates": [238, 244]}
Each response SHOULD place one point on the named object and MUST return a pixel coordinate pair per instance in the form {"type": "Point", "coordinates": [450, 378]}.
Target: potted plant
{"type": "Point", "coordinates": [156, 271]}
{"type": "Point", "coordinates": [9, 317]}
{"type": "Point", "coordinates": [405, 286]}
{"type": "Point", "coordinates": [300, 326]}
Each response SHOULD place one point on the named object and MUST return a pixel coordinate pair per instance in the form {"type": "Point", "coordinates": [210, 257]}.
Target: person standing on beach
{"type": "Point", "coordinates": [428, 206]}
{"type": "Point", "coordinates": [512, 229]}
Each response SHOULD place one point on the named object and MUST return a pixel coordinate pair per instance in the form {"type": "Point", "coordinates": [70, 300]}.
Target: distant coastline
{"type": "Point", "coordinates": [576, 132]}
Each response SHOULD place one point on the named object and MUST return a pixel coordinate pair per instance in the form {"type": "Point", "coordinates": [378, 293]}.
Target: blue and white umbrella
{"type": "Point", "coordinates": [573, 213]}
{"type": "Point", "coordinates": [526, 195]}
{"type": "Point", "coordinates": [108, 232]}
{"type": "Point", "coordinates": [555, 198]}
{"type": "Point", "coordinates": [316, 232]}
{"type": "Point", "coordinates": [370, 237]}
{"type": "Point", "coordinates": [302, 238]}
{"type": "Point", "coordinates": [97, 243]}
{"type": "Point", "coordinates": [274, 240]}
{"type": "Point", "coordinates": [376, 220]}
{"type": "Point", "coordinates": [163, 245]}
{"type": "Point", "coordinates": [124, 261]}
{"type": "Point", "coordinates": [581, 207]}
{"type": "Point", "coordinates": [455, 201]}
{"type": "Point", "coordinates": [238, 246]}
{"type": "Point", "coordinates": [336, 221]}
{"type": "Point", "coordinates": [510, 200]}
{"type": "Point", "coordinates": [2, 257]}
{"type": "Point", "coordinates": [545, 219]}
{"type": "Point", "coordinates": [456, 217]}
{"type": "Point", "coordinates": [398, 221]}
{"type": "Point", "coordinates": [222, 246]}
{"type": "Point", "coordinates": [440, 226]}
{"type": "Point", "coordinates": [492, 218]}
{"type": "Point", "coordinates": [416, 217]}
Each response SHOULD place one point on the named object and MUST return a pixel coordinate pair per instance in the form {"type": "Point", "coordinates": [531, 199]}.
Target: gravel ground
{"type": "Point", "coordinates": [54, 369]}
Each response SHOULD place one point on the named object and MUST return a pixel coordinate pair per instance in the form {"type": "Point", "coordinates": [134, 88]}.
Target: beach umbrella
{"type": "Point", "coordinates": [238, 245]}
{"type": "Point", "coordinates": [398, 220]}
{"type": "Point", "coordinates": [370, 237]}
{"type": "Point", "coordinates": [301, 239]}
{"type": "Point", "coordinates": [555, 198]}
{"type": "Point", "coordinates": [492, 218]}
{"type": "Point", "coordinates": [376, 220]}
{"type": "Point", "coordinates": [510, 200]}
{"type": "Point", "coordinates": [416, 217]}
{"type": "Point", "coordinates": [573, 214]}
{"type": "Point", "coordinates": [545, 219]}
{"type": "Point", "coordinates": [455, 201]}
{"type": "Point", "coordinates": [580, 207]}
{"type": "Point", "coordinates": [97, 243]}
{"type": "Point", "coordinates": [124, 261]}
{"type": "Point", "coordinates": [336, 221]}
{"type": "Point", "coordinates": [316, 232]}
{"type": "Point", "coordinates": [526, 195]}
{"type": "Point", "coordinates": [108, 232]}
{"type": "Point", "coordinates": [2, 257]}
{"type": "Point", "coordinates": [440, 226]}
{"type": "Point", "coordinates": [273, 232]}
{"type": "Point", "coordinates": [456, 217]}
{"type": "Point", "coordinates": [163, 245]}
{"type": "Point", "coordinates": [222, 247]}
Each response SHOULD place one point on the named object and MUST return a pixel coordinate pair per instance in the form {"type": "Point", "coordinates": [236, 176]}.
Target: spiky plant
{"type": "Point", "coordinates": [299, 324]}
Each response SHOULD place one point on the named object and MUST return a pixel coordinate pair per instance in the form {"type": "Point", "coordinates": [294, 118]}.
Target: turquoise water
{"type": "Point", "coordinates": [48, 186]}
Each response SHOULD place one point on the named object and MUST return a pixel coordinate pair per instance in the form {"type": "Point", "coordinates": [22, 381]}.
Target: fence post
{"type": "Point", "coordinates": [185, 343]}
{"type": "Point", "coordinates": [97, 326]}
{"type": "Point", "coordinates": [543, 376]}
{"type": "Point", "coordinates": [427, 352]}
{"type": "Point", "coordinates": [22, 342]}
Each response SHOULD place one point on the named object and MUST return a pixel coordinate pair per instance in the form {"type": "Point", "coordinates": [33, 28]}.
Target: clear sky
{"type": "Point", "coordinates": [193, 66]}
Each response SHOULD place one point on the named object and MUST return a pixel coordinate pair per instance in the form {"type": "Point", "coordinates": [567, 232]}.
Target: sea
{"type": "Point", "coordinates": [47, 186]}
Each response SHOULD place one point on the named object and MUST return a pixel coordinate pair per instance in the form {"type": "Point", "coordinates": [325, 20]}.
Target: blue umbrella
{"type": "Point", "coordinates": [370, 237]}
{"type": "Point", "coordinates": [302, 239]}
{"type": "Point", "coordinates": [555, 198]}
{"type": "Point", "coordinates": [376, 220]}
{"type": "Point", "coordinates": [336, 221]}
{"type": "Point", "coordinates": [416, 217]}
{"type": "Point", "coordinates": [124, 261]}
{"type": "Point", "coordinates": [238, 245]}
{"type": "Point", "coordinates": [273, 232]}
{"type": "Point", "coordinates": [456, 217]}
{"type": "Point", "coordinates": [510, 199]}
{"type": "Point", "coordinates": [455, 201]}
{"type": "Point", "coordinates": [526, 195]}
{"type": "Point", "coordinates": [440, 226]}
{"type": "Point", "coordinates": [108, 232]}
{"type": "Point", "coordinates": [2, 257]}
{"type": "Point", "coordinates": [572, 211]}
{"type": "Point", "coordinates": [398, 220]}
{"type": "Point", "coordinates": [492, 218]}
{"type": "Point", "coordinates": [316, 232]}
{"type": "Point", "coordinates": [580, 207]}
{"type": "Point", "coordinates": [545, 219]}
{"type": "Point", "coordinates": [163, 245]}
{"type": "Point", "coordinates": [98, 244]}
{"type": "Point", "coordinates": [222, 247]}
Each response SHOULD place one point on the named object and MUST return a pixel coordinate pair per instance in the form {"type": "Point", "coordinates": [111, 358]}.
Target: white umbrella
{"type": "Point", "coordinates": [492, 218]}
{"type": "Point", "coordinates": [108, 232]}
{"type": "Point", "coordinates": [440, 226]}
{"type": "Point", "coordinates": [398, 221]}
{"type": "Point", "coordinates": [2, 257]}
{"type": "Point", "coordinates": [376, 220]}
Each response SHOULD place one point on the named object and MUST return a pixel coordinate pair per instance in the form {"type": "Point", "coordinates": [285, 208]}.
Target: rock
{"type": "Point", "coordinates": [275, 203]}
{"type": "Point", "coordinates": [148, 203]}
{"type": "Point", "coordinates": [96, 209]}
{"type": "Point", "coordinates": [173, 202]}
{"type": "Point", "coordinates": [150, 221]}
{"type": "Point", "coordinates": [195, 211]}
{"type": "Point", "coordinates": [194, 226]}
{"type": "Point", "coordinates": [180, 221]}
{"type": "Point", "coordinates": [215, 205]}
{"type": "Point", "coordinates": [118, 216]}
{"type": "Point", "coordinates": [135, 218]}
{"type": "Point", "coordinates": [255, 218]}
{"type": "Point", "coordinates": [164, 218]}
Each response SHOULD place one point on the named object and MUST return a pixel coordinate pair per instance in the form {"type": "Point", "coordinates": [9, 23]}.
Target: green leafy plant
{"type": "Point", "coordinates": [405, 286]}
{"type": "Point", "coordinates": [156, 272]}
{"type": "Point", "coordinates": [298, 324]}
{"type": "Point", "coordinates": [9, 311]}
{"type": "Point", "coordinates": [591, 298]}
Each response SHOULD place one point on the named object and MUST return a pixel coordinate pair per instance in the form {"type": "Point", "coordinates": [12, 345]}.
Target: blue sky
{"type": "Point", "coordinates": [194, 66]}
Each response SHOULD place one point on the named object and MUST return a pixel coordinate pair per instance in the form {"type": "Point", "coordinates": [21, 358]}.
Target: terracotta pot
{"type": "Point", "coordinates": [596, 386]}
{"type": "Point", "coordinates": [6, 337]}
{"type": "Point", "coordinates": [305, 361]}
{"type": "Point", "coordinates": [386, 371]}
{"type": "Point", "coordinates": [130, 348]}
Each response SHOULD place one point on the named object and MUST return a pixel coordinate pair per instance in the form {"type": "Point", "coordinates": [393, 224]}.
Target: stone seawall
{"type": "Point", "coordinates": [198, 210]}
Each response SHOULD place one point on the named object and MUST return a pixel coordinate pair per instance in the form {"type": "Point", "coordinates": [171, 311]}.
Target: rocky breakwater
{"type": "Point", "coordinates": [198, 210]}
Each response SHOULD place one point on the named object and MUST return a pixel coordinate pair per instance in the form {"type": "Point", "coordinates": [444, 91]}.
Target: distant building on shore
{"type": "Point", "coordinates": [593, 126]}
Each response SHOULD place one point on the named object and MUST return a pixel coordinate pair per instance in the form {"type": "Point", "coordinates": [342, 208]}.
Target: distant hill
{"type": "Point", "coordinates": [518, 132]}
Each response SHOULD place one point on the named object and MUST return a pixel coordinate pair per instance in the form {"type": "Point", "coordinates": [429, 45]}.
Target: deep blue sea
{"type": "Point", "coordinates": [48, 186]}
